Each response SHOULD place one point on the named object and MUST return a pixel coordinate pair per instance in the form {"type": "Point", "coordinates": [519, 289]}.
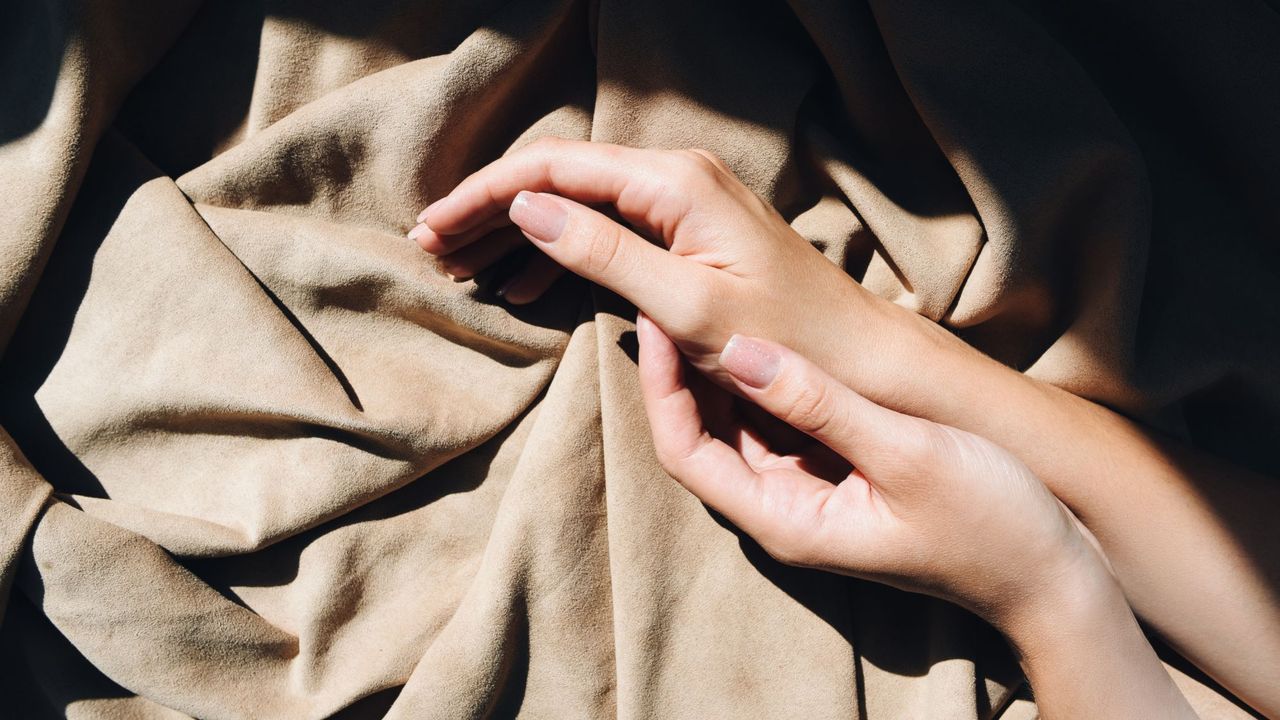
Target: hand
{"type": "Point", "coordinates": [734, 264]}
{"type": "Point", "coordinates": [903, 501]}
{"type": "Point", "coordinates": [910, 503]}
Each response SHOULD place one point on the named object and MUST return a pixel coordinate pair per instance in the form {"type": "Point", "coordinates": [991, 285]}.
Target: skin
{"type": "Point", "coordinates": [909, 503]}
{"type": "Point", "coordinates": [1187, 536]}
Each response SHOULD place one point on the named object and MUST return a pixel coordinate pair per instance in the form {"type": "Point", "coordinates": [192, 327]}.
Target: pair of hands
{"type": "Point", "coordinates": [870, 492]}
{"type": "Point", "coordinates": [853, 479]}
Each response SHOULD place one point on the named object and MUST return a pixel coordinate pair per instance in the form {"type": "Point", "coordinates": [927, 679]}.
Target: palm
{"type": "Point", "coordinates": [804, 487]}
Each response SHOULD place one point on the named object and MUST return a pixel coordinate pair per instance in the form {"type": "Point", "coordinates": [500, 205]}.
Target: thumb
{"type": "Point", "coordinates": [592, 245]}
{"type": "Point", "coordinates": [886, 445]}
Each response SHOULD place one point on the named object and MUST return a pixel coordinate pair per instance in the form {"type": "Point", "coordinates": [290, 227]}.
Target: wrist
{"type": "Point", "coordinates": [1084, 654]}
{"type": "Point", "coordinates": [911, 364]}
{"type": "Point", "coordinates": [919, 368]}
{"type": "Point", "coordinates": [1077, 600]}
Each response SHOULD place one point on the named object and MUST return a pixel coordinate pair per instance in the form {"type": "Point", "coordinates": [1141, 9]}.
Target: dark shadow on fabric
{"type": "Point", "coordinates": [176, 92]}
{"type": "Point", "coordinates": [515, 665]}
{"type": "Point", "coordinates": [32, 42]}
{"type": "Point", "coordinates": [629, 343]}
{"type": "Point", "coordinates": [1212, 152]}
{"type": "Point", "coordinates": [41, 673]}
{"type": "Point", "coordinates": [277, 564]}
{"type": "Point", "coordinates": [556, 309]}
{"type": "Point", "coordinates": [1231, 419]}
{"type": "Point", "coordinates": [316, 347]}
{"type": "Point", "coordinates": [370, 707]}
{"type": "Point", "coordinates": [43, 332]}
{"type": "Point", "coordinates": [397, 23]}
{"type": "Point", "coordinates": [836, 599]}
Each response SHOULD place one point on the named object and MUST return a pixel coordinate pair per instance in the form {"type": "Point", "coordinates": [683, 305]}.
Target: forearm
{"type": "Point", "coordinates": [1085, 656]}
{"type": "Point", "coordinates": [1189, 538]}
{"type": "Point", "coordinates": [735, 266]}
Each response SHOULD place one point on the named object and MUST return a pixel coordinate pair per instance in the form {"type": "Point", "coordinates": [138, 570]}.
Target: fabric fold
{"type": "Point", "coordinates": [260, 458]}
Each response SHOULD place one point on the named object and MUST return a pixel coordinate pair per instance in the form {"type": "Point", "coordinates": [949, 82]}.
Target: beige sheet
{"type": "Point", "coordinates": [260, 459]}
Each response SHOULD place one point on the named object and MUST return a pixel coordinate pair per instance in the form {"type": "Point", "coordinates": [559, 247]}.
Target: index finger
{"type": "Point", "coordinates": [711, 470]}
{"type": "Point", "coordinates": [589, 172]}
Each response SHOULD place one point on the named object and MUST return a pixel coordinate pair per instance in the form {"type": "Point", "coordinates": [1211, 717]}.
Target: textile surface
{"type": "Point", "coordinates": [261, 459]}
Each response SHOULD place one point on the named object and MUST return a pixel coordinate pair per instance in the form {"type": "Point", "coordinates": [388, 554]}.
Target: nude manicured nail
{"type": "Point", "coordinates": [751, 361]}
{"type": "Point", "coordinates": [539, 215]}
{"type": "Point", "coordinates": [504, 292]}
{"type": "Point", "coordinates": [417, 231]}
{"type": "Point", "coordinates": [644, 326]}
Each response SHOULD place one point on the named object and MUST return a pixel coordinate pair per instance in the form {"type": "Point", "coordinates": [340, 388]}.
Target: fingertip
{"type": "Point", "coordinates": [751, 361]}
{"type": "Point", "coordinates": [422, 216]}
{"type": "Point", "coordinates": [514, 295]}
{"type": "Point", "coordinates": [430, 242]}
{"type": "Point", "coordinates": [653, 340]}
{"type": "Point", "coordinates": [531, 282]}
{"type": "Point", "coordinates": [542, 216]}
{"type": "Point", "coordinates": [456, 272]}
{"type": "Point", "coordinates": [650, 346]}
{"type": "Point", "coordinates": [431, 214]}
{"type": "Point", "coordinates": [644, 329]}
{"type": "Point", "coordinates": [522, 198]}
{"type": "Point", "coordinates": [519, 205]}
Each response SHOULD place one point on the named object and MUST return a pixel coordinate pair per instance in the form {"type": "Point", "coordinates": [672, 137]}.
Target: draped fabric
{"type": "Point", "coordinates": [260, 458]}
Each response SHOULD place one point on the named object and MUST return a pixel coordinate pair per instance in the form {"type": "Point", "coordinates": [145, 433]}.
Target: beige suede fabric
{"type": "Point", "coordinates": [261, 459]}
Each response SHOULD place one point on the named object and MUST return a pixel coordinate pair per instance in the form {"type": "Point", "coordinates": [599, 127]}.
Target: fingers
{"type": "Point", "coordinates": [591, 245]}
{"type": "Point", "coordinates": [879, 441]}
{"type": "Point", "coordinates": [589, 172]}
{"type": "Point", "coordinates": [631, 180]}
{"type": "Point", "coordinates": [534, 278]}
{"type": "Point", "coordinates": [707, 467]}
{"type": "Point", "coordinates": [440, 244]}
{"type": "Point", "coordinates": [467, 262]}
{"type": "Point", "coordinates": [678, 430]}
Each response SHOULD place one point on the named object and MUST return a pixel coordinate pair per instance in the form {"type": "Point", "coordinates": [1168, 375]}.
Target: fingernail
{"type": "Point", "coordinates": [539, 215]}
{"type": "Point", "coordinates": [505, 286]}
{"type": "Point", "coordinates": [454, 273]}
{"type": "Point", "coordinates": [417, 231]}
{"type": "Point", "coordinates": [643, 324]}
{"type": "Point", "coordinates": [422, 216]}
{"type": "Point", "coordinates": [751, 361]}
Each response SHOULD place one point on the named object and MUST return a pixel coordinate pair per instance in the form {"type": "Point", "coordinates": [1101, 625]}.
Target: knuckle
{"type": "Point", "coordinates": [430, 242]}
{"type": "Point", "coordinates": [692, 169]}
{"type": "Point", "coordinates": [698, 302]}
{"type": "Point", "coordinates": [954, 446]}
{"type": "Point", "coordinates": [698, 315]}
{"type": "Point", "coordinates": [548, 142]}
{"type": "Point", "coordinates": [602, 249]}
{"type": "Point", "coordinates": [790, 549]}
{"type": "Point", "coordinates": [546, 148]}
{"type": "Point", "coordinates": [715, 161]}
{"type": "Point", "coordinates": [811, 407]}
{"type": "Point", "coordinates": [925, 444]}
{"type": "Point", "coordinates": [668, 461]}
{"type": "Point", "coordinates": [674, 457]}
